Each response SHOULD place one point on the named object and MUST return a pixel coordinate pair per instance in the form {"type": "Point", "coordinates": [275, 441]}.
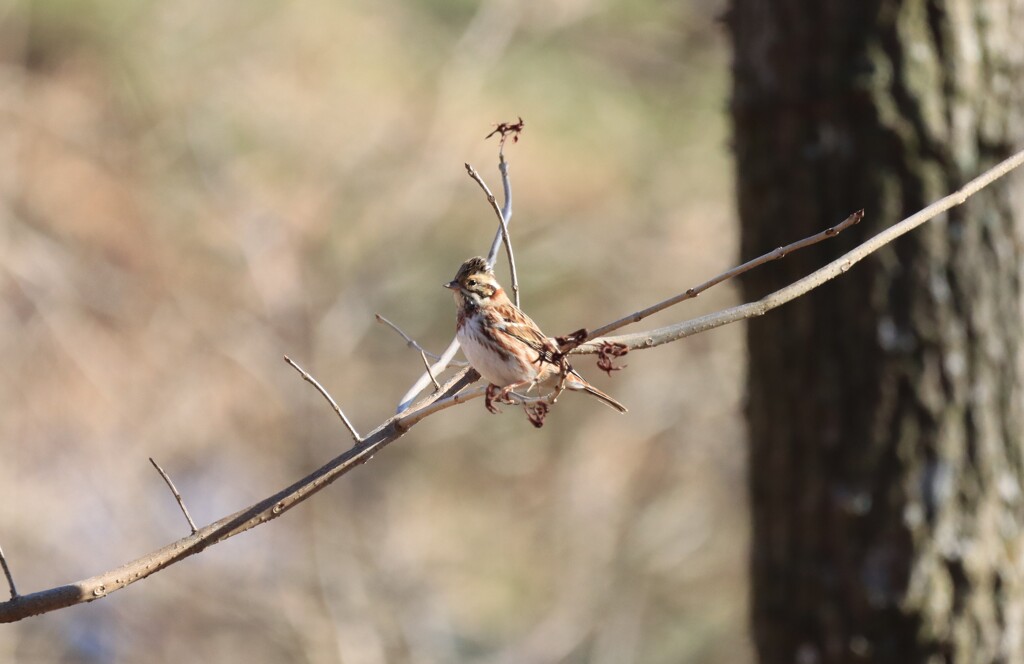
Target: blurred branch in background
{"type": "Point", "coordinates": [452, 394]}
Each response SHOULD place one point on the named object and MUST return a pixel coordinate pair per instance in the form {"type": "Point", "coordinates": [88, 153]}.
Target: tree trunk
{"type": "Point", "coordinates": [885, 412]}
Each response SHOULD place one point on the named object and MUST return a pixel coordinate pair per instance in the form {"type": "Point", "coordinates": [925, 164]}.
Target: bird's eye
{"type": "Point", "coordinates": [472, 282]}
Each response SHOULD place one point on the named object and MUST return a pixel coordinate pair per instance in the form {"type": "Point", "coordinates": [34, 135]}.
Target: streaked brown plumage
{"type": "Point", "coordinates": [501, 342]}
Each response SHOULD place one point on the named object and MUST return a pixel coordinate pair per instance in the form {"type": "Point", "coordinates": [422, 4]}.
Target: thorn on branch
{"type": "Point", "coordinates": [607, 354]}
{"type": "Point", "coordinates": [177, 496]}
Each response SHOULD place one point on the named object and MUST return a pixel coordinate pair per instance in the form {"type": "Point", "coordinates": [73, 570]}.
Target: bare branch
{"type": "Point", "coordinates": [503, 227]}
{"type": "Point", "coordinates": [7, 573]}
{"type": "Point", "coordinates": [415, 345]}
{"type": "Point", "coordinates": [691, 293]}
{"type": "Point", "coordinates": [177, 496]}
{"type": "Point", "coordinates": [87, 590]}
{"type": "Point", "coordinates": [21, 606]}
{"type": "Point", "coordinates": [337, 409]}
{"type": "Point", "coordinates": [837, 267]}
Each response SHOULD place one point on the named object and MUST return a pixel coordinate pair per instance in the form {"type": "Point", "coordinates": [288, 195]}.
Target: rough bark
{"type": "Point", "coordinates": [885, 412]}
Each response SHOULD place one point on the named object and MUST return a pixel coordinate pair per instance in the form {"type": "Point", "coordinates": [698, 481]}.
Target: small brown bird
{"type": "Point", "coordinates": [502, 343]}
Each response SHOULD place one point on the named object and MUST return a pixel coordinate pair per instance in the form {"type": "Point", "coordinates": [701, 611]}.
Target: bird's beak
{"type": "Point", "coordinates": [452, 285]}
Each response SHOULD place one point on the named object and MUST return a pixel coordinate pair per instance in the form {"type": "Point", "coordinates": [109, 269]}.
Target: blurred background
{"type": "Point", "coordinates": [190, 190]}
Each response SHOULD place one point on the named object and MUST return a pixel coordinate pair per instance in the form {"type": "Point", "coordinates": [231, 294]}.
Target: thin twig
{"type": "Point", "coordinates": [691, 293]}
{"type": "Point", "coordinates": [177, 496]}
{"type": "Point", "coordinates": [412, 343]}
{"type": "Point", "coordinates": [337, 409]}
{"type": "Point", "coordinates": [503, 227]}
{"type": "Point", "coordinates": [426, 363]}
{"type": "Point", "coordinates": [7, 573]}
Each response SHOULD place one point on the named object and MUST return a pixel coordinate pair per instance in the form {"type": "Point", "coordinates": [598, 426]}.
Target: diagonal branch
{"type": "Point", "coordinates": [841, 265]}
{"type": "Point", "coordinates": [101, 585]}
{"type": "Point", "coordinates": [691, 293]}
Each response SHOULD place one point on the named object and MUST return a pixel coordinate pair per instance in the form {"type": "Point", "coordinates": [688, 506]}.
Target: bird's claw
{"type": "Point", "coordinates": [492, 393]}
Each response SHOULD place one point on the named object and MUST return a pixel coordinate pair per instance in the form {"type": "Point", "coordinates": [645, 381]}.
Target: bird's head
{"type": "Point", "coordinates": [474, 283]}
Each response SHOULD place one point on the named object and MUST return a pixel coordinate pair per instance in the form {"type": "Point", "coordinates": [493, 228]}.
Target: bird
{"type": "Point", "coordinates": [503, 344]}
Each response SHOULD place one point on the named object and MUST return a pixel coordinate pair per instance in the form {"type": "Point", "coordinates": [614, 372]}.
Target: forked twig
{"type": "Point", "coordinates": [657, 337]}
{"type": "Point", "coordinates": [503, 226]}
{"type": "Point", "coordinates": [691, 293]}
{"type": "Point", "coordinates": [177, 496]}
{"type": "Point", "coordinates": [320, 388]}
{"type": "Point", "coordinates": [7, 573]}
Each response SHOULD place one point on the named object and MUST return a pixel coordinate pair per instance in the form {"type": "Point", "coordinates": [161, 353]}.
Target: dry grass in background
{"type": "Point", "coordinates": [189, 190]}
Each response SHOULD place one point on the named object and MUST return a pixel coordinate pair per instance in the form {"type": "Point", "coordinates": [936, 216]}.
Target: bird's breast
{"type": "Point", "coordinates": [497, 364]}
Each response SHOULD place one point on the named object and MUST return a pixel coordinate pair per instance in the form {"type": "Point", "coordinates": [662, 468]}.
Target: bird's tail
{"type": "Point", "coordinates": [605, 399]}
{"type": "Point", "coordinates": [578, 382]}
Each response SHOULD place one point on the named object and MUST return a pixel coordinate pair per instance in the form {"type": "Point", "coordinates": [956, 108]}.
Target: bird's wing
{"type": "Point", "coordinates": [517, 325]}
